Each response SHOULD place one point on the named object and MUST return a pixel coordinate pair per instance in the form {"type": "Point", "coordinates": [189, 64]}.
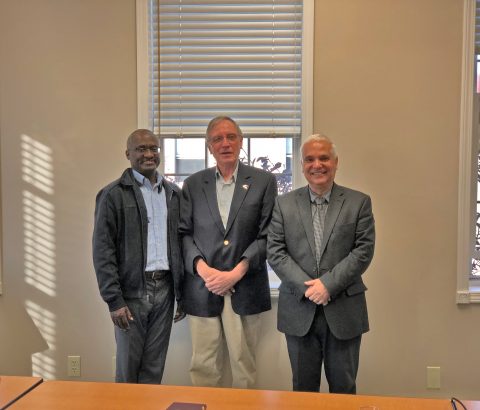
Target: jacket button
{"type": "Point", "coordinates": [226, 242]}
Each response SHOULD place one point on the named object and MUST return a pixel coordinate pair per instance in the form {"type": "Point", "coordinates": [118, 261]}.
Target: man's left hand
{"type": "Point", "coordinates": [317, 292]}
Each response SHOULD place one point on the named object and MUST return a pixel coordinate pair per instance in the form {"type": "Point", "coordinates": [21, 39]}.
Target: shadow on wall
{"type": "Point", "coordinates": [17, 329]}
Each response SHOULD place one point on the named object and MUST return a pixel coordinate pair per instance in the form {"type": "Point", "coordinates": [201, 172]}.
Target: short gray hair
{"type": "Point", "coordinates": [215, 121]}
{"type": "Point", "coordinates": [319, 138]}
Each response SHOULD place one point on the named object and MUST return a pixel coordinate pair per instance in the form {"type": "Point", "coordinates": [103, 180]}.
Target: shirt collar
{"type": "Point", "coordinates": [218, 175]}
{"type": "Point", "coordinates": [142, 178]}
{"type": "Point", "coordinates": [326, 195]}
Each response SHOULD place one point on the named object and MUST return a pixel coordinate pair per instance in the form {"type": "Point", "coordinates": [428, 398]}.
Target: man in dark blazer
{"type": "Point", "coordinates": [225, 214]}
{"type": "Point", "coordinates": [321, 240]}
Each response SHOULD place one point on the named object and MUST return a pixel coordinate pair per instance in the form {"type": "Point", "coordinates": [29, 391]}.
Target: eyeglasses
{"type": "Point", "coordinates": [218, 139]}
{"type": "Point", "coordinates": [142, 149]}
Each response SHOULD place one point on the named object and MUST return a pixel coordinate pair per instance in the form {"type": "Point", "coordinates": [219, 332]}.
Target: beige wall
{"type": "Point", "coordinates": [387, 89]}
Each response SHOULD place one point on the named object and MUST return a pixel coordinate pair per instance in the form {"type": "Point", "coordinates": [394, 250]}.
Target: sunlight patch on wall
{"type": "Point", "coordinates": [43, 363]}
{"type": "Point", "coordinates": [39, 243]}
{"type": "Point", "coordinates": [37, 166]}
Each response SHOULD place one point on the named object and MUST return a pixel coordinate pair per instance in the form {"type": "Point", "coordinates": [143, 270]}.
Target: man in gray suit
{"type": "Point", "coordinates": [225, 213]}
{"type": "Point", "coordinates": [320, 242]}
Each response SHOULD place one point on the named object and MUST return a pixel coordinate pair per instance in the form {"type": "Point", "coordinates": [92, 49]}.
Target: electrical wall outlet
{"type": "Point", "coordinates": [433, 377]}
{"type": "Point", "coordinates": [74, 369]}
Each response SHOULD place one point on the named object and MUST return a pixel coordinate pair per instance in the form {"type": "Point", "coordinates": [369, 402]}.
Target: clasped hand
{"type": "Point", "coordinates": [317, 292]}
{"type": "Point", "coordinates": [219, 282]}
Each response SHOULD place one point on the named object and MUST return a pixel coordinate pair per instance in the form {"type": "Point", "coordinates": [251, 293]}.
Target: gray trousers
{"type": "Point", "coordinates": [340, 358]}
{"type": "Point", "coordinates": [142, 349]}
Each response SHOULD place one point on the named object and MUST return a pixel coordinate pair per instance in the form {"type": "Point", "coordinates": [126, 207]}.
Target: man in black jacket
{"type": "Point", "coordinates": [138, 261]}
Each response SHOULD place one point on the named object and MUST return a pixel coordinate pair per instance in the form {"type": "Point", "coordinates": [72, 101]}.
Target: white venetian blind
{"type": "Point", "coordinates": [238, 58]}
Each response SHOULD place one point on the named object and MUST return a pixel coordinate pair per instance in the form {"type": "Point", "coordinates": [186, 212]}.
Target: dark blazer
{"type": "Point", "coordinates": [222, 248]}
{"type": "Point", "coordinates": [346, 251]}
{"type": "Point", "coordinates": [120, 240]}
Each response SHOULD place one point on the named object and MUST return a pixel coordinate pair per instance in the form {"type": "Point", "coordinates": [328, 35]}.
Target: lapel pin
{"type": "Point", "coordinates": [245, 187]}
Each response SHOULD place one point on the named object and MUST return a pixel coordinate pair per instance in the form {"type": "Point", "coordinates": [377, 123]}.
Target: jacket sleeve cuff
{"type": "Point", "coordinates": [116, 304]}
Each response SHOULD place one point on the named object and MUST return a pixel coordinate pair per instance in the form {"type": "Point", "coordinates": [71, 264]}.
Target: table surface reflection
{"type": "Point", "coordinates": [53, 395]}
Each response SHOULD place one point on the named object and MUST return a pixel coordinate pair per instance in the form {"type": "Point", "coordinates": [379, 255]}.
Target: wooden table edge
{"type": "Point", "coordinates": [36, 384]}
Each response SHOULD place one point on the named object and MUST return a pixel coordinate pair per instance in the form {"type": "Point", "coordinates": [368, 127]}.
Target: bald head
{"type": "Point", "coordinates": [135, 135]}
{"type": "Point", "coordinates": [143, 152]}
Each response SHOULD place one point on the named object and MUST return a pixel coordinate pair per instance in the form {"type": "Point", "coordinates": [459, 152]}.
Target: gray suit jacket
{"type": "Point", "coordinates": [346, 251]}
{"type": "Point", "coordinates": [245, 236]}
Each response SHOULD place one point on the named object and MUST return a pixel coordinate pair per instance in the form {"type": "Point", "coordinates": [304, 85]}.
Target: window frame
{"type": "Point", "coordinates": [307, 79]}
{"type": "Point", "coordinates": [466, 292]}
{"type": "Point", "coordinates": [307, 86]}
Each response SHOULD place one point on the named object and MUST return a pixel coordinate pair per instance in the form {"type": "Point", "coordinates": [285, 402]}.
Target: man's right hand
{"type": "Point", "coordinates": [121, 317]}
{"type": "Point", "coordinates": [203, 270]}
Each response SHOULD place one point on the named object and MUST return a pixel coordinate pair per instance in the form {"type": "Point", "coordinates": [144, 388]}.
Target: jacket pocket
{"type": "Point", "coordinates": [290, 291]}
{"type": "Point", "coordinates": [355, 289]}
{"type": "Point", "coordinates": [286, 289]}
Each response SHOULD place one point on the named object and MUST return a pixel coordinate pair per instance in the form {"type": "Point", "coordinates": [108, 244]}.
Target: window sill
{"type": "Point", "coordinates": [274, 285]}
{"type": "Point", "coordinates": [469, 296]}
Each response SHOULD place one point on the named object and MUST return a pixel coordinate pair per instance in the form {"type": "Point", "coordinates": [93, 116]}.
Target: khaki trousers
{"type": "Point", "coordinates": [211, 335]}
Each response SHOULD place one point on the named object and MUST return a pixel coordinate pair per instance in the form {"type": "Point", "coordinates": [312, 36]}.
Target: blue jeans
{"type": "Point", "coordinates": [142, 349]}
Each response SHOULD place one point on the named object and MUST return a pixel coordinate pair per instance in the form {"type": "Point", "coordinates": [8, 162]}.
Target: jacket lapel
{"type": "Point", "coordinates": [210, 191]}
{"type": "Point", "coordinates": [168, 191]}
{"type": "Point", "coordinates": [334, 207]}
{"type": "Point", "coordinates": [305, 211]}
{"type": "Point", "coordinates": [242, 186]}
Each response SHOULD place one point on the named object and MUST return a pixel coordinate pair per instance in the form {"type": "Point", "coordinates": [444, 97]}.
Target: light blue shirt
{"type": "Point", "coordinates": [156, 204]}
